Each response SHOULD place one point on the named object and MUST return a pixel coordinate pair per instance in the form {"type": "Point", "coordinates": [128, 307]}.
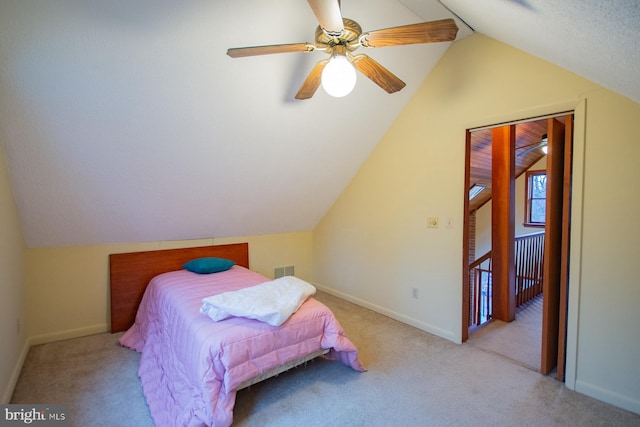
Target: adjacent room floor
{"type": "Point", "coordinates": [520, 340]}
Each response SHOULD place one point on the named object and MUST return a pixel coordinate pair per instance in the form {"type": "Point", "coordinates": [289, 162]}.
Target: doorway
{"type": "Point", "coordinates": [497, 158]}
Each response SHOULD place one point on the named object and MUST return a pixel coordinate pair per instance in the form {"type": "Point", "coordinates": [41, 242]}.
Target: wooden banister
{"type": "Point", "coordinates": [529, 255]}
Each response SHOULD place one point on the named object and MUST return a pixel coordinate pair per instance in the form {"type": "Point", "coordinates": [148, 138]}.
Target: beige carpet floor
{"type": "Point", "coordinates": [520, 340]}
{"type": "Point", "coordinates": [414, 379]}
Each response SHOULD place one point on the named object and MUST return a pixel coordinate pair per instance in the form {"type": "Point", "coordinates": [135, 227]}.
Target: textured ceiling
{"type": "Point", "coordinates": [597, 39]}
{"type": "Point", "coordinates": [126, 121]}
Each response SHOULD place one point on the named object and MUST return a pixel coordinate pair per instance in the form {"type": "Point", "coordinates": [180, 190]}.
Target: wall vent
{"type": "Point", "coordinates": [283, 271]}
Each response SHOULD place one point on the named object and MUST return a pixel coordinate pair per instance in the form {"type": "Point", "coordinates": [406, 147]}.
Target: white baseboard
{"type": "Point", "coordinates": [390, 313]}
{"type": "Point", "coordinates": [68, 334]}
{"type": "Point", "coordinates": [616, 399]}
{"type": "Point", "coordinates": [6, 397]}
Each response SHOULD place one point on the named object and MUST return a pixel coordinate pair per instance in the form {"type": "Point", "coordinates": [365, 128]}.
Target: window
{"type": "Point", "coordinates": [535, 198]}
{"type": "Point", "coordinates": [475, 190]}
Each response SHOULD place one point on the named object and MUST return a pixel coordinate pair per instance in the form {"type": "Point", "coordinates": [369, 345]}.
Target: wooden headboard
{"type": "Point", "coordinates": [130, 273]}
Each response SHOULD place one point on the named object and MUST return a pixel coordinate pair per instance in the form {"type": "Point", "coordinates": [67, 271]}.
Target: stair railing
{"type": "Point", "coordinates": [480, 292]}
{"type": "Point", "coordinates": [529, 255]}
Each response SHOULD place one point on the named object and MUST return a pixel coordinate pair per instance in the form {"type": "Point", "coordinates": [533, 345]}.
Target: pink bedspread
{"type": "Point", "coordinates": [191, 366]}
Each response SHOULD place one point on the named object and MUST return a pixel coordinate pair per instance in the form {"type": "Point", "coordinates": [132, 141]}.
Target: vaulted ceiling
{"type": "Point", "coordinates": [528, 151]}
{"type": "Point", "coordinates": [126, 121]}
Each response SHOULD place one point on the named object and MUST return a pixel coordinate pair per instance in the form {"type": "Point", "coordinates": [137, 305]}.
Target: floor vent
{"type": "Point", "coordinates": [283, 271]}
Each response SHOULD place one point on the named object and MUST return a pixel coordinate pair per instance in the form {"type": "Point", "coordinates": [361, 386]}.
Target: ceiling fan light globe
{"type": "Point", "coordinates": [338, 77]}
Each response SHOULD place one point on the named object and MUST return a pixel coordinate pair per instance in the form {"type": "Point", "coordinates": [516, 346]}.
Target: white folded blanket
{"type": "Point", "coordinates": [272, 302]}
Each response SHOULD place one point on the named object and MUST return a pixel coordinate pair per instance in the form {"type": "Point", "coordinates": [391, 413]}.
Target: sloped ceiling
{"type": "Point", "coordinates": [593, 38]}
{"type": "Point", "coordinates": [125, 121]}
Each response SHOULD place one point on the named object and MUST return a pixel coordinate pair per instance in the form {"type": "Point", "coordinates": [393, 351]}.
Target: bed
{"type": "Point", "coordinates": [191, 366]}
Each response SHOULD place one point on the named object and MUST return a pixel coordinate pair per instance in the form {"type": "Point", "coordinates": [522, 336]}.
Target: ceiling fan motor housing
{"type": "Point", "coordinates": [352, 31]}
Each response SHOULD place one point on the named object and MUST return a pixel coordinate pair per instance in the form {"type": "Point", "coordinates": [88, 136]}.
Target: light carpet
{"type": "Point", "coordinates": [520, 340]}
{"type": "Point", "coordinates": [414, 379]}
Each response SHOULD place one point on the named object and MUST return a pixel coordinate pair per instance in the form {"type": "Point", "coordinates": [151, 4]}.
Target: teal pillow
{"type": "Point", "coordinates": [208, 265]}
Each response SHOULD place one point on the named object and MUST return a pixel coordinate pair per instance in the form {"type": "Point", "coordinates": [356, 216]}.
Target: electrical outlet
{"type": "Point", "coordinates": [432, 222]}
{"type": "Point", "coordinates": [414, 293]}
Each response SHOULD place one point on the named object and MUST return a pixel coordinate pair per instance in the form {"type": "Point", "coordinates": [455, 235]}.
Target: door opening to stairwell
{"type": "Point", "coordinates": [515, 266]}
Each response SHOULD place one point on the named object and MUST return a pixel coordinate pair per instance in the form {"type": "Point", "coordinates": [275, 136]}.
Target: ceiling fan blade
{"type": "Point", "coordinates": [312, 81]}
{"type": "Point", "coordinates": [530, 148]}
{"type": "Point", "coordinates": [239, 52]}
{"type": "Point", "coordinates": [427, 32]}
{"type": "Point", "coordinates": [328, 14]}
{"type": "Point", "coordinates": [377, 73]}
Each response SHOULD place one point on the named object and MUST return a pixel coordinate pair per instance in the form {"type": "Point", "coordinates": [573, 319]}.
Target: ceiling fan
{"type": "Point", "coordinates": [531, 147]}
{"type": "Point", "coordinates": [340, 37]}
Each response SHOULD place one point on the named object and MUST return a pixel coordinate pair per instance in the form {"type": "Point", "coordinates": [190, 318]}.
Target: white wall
{"type": "Point", "coordinates": [608, 339]}
{"type": "Point", "coordinates": [483, 229]}
{"type": "Point", "coordinates": [373, 245]}
{"type": "Point", "coordinates": [13, 337]}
